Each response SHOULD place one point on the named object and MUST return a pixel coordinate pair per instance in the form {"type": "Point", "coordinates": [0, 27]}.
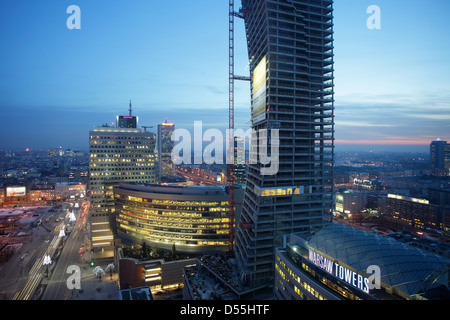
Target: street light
{"type": "Point", "coordinates": [47, 262]}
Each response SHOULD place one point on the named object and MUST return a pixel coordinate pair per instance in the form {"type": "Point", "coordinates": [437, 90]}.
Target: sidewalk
{"type": "Point", "coordinates": [91, 287]}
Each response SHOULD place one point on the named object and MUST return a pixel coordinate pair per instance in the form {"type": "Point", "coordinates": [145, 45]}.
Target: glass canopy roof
{"type": "Point", "coordinates": [403, 267]}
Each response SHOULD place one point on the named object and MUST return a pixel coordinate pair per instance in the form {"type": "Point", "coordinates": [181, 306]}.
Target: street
{"type": "Point", "coordinates": [25, 277]}
{"type": "Point", "coordinates": [56, 286]}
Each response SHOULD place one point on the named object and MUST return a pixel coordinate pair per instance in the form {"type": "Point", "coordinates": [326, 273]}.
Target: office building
{"type": "Point", "coordinates": [340, 262]}
{"type": "Point", "coordinates": [440, 157]}
{"type": "Point", "coordinates": [165, 147]}
{"type": "Point", "coordinates": [411, 212]}
{"type": "Point", "coordinates": [367, 184]}
{"type": "Point", "coordinates": [351, 202]}
{"type": "Point", "coordinates": [210, 279]}
{"type": "Point", "coordinates": [194, 219]}
{"type": "Point", "coordinates": [441, 197]}
{"type": "Point", "coordinates": [13, 196]}
{"type": "Point", "coordinates": [290, 48]}
{"type": "Point", "coordinates": [115, 155]}
{"type": "Point", "coordinates": [239, 160]}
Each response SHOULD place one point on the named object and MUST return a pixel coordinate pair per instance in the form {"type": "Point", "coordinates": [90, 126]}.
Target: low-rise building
{"type": "Point", "coordinates": [414, 212]}
{"type": "Point", "coordinates": [351, 202]}
{"type": "Point", "coordinates": [70, 190]}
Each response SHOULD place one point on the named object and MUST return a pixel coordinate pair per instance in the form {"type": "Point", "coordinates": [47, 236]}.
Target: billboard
{"type": "Point", "coordinates": [16, 191]}
{"type": "Point", "coordinates": [259, 84]}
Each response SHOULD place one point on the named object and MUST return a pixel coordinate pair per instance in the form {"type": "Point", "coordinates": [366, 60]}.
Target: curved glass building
{"type": "Point", "coordinates": [193, 218]}
{"type": "Point", "coordinates": [340, 262]}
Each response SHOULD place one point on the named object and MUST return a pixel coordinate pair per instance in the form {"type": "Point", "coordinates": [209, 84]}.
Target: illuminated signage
{"type": "Point", "coordinates": [282, 191]}
{"type": "Point", "coordinates": [259, 91]}
{"type": "Point", "coordinates": [340, 272]}
{"type": "Point", "coordinates": [16, 191]}
{"type": "Point", "coordinates": [127, 122]}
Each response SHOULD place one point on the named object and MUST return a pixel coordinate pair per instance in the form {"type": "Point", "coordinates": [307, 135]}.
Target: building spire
{"type": "Point", "coordinates": [131, 110]}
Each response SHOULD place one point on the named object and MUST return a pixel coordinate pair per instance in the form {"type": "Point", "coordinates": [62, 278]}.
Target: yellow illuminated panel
{"type": "Point", "coordinates": [259, 88]}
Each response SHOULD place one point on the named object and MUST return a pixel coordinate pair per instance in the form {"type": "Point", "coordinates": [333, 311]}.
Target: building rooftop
{"type": "Point", "coordinates": [205, 284]}
{"type": "Point", "coordinates": [174, 189]}
{"type": "Point", "coordinates": [407, 237]}
{"type": "Point", "coordinates": [142, 293]}
{"type": "Point", "coordinates": [405, 268]}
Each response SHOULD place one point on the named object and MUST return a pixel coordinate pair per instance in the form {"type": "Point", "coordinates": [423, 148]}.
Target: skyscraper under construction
{"type": "Point", "coordinates": [290, 48]}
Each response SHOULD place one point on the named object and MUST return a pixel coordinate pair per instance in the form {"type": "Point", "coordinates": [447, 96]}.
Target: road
{"type": "Point", "coordinates": [56, 286]}
{"type": "Point", "coordinates": [25, 275]}
{"type": "Point", "coordinates": [36, 273]}
{"type": "Point", "coordinates": [20, 273]}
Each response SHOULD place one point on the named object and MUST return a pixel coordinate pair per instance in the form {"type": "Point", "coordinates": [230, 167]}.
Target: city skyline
{"type": "Point", "coordinates": [117, 182]}
{"type": "Point", "coordinates": [390, 84]}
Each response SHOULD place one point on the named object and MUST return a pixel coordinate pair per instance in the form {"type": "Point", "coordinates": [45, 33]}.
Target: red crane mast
{"type": "Point", "coordinates": [230, 156]}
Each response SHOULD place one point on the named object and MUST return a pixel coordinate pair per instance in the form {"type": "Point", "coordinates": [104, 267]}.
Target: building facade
{"type": "Point", "coordinates": [440, 157]}
{"type": "Point", "coordinates": [194, 219]}
{"type": "Point", "coordinates": [115, 155]}
{"type": "Point", "coordinates": [340, 262]}
{"type": "Point", "coordinates": [165, 147]}
{"type": "Point", "coordinates": [70, 190]}
{"type": "Point", "coordinates": [239, 160]}
{"type": "Point", "coordinates": [351, 202]}
{"type": "Point", "coordinates": [290, 48]}
{"type": "Point", "coordinates": [154, 274]}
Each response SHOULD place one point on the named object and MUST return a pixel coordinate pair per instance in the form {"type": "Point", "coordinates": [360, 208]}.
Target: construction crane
{"type": "Point", "coordinates": [232, 78]}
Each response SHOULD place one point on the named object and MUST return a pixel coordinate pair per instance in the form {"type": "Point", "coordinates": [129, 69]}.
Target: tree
{"type": "Point", "coordinates": [110, 268]}
{"type": "Point", "coordinates": [99, 272]}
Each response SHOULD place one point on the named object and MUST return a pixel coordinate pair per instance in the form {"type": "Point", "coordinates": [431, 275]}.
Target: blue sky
{"type": "Point", "coordinates": [170, 58]}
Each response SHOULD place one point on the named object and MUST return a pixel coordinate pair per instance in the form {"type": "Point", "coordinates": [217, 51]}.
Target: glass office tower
{"type": "Point", "coordinates": [165, 147]}
{"type": "Point", "coordinates": [115, 155]}
{"type": "Point", "coordinates": [290, 48]}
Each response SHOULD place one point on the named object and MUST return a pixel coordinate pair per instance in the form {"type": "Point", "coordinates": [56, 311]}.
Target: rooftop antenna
{"type": "Point", "coordinates": [131, 110]}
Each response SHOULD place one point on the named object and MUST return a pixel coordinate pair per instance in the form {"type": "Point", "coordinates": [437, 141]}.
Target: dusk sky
{"type": "Point", "coordinates": [171, 59]}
